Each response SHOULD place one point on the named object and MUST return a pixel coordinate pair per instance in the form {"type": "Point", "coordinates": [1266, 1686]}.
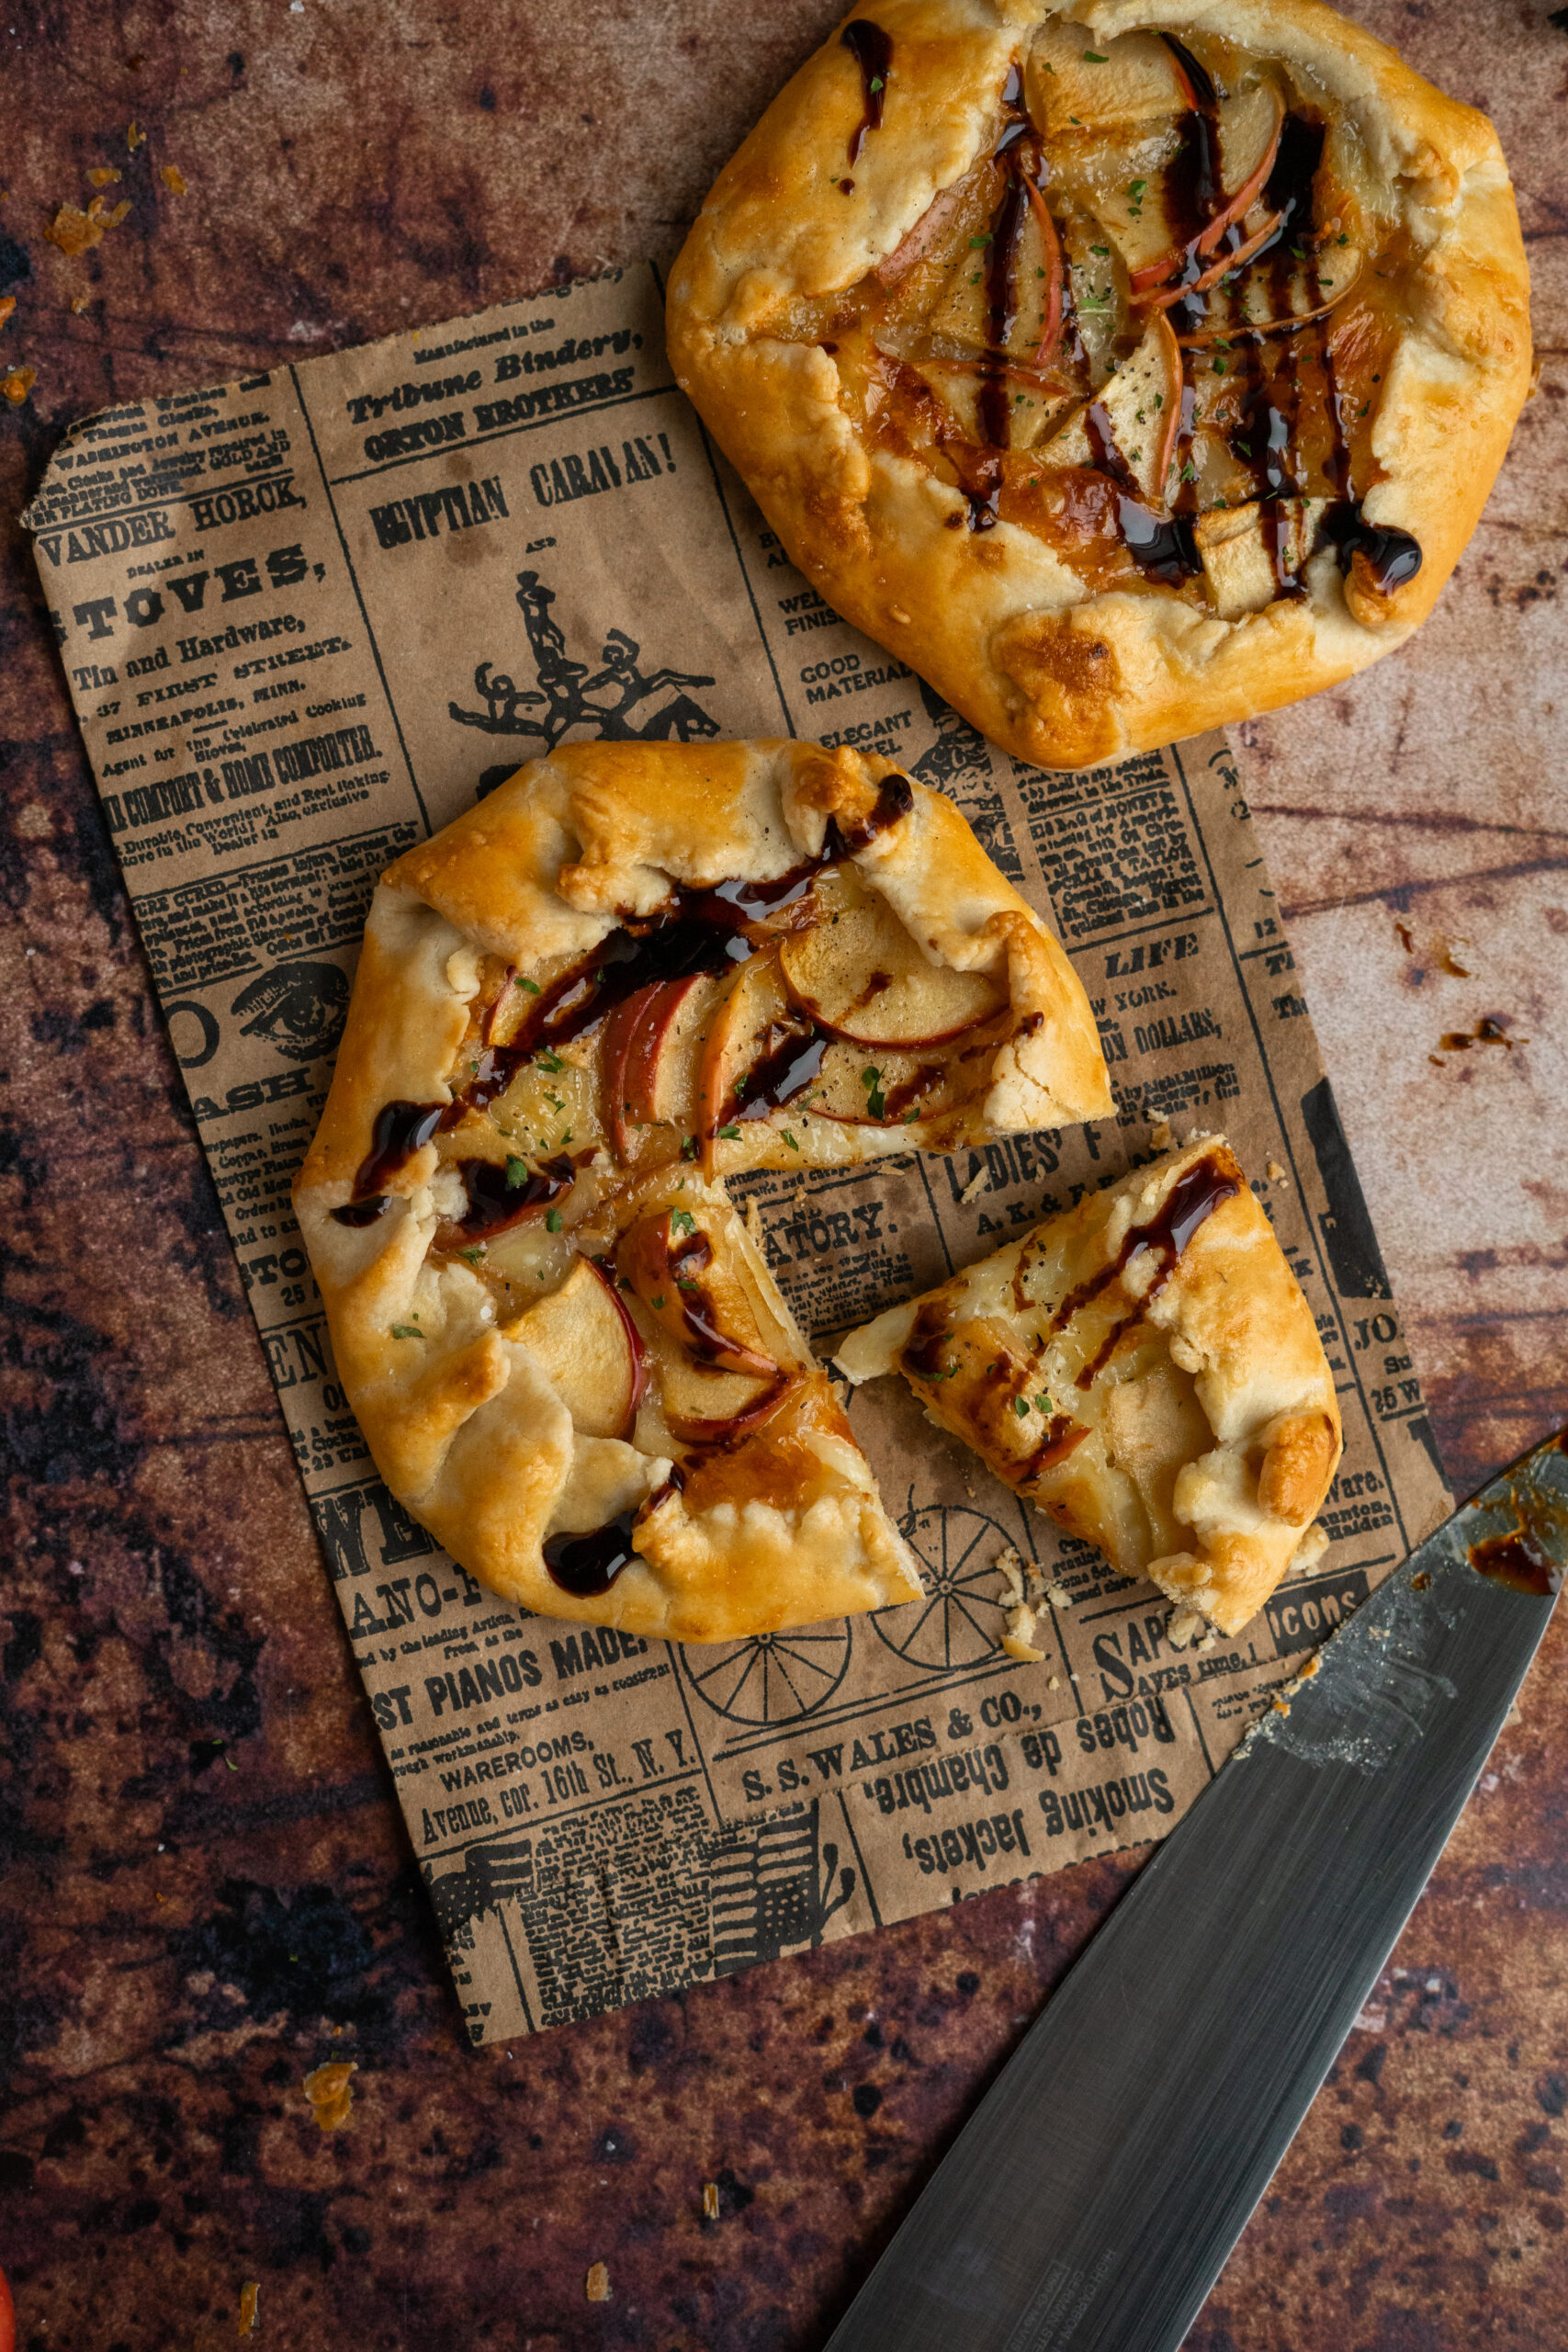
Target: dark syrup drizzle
{"type": "Point", "coordinates": [400, 1130]}
{"type": "Point", "coordinates": [1518, 1560]}
{"type": "Point", "coordinates": [704, 1337]}
{"type": "Point", "coordinates": [924, 1355]}
{"type": "Point", "coordinates": [697, 930]}
{"type": "Point", "coordinates": [993, 408]}
{"type": "Point", "coordinates": [792, 1061]}
{"type": "Point", "coordinates": [872, 49]}
{"type": "Point", "coordinates": [1191, 1201]}
{"type": "Point", "coordinates": [1162, 547]}
{"type": "Point", "coordinates": [587, 1566]}
{"type": "Point", "coordinates": [494, 1203]}
{"type": "Point", "coordinates": [363, 1212]}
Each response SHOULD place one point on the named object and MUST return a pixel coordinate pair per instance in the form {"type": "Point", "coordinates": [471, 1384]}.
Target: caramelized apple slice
{"type": "Point", "coordinates": [1074, 84]}
{"type": "Point", "coordinates": [860, 1086]}
{"type": "Point", "coordinates": [961, 321]}
{"type": "Point", "coordinates": [584, 1340]}
{"type": "Point", "coordinates": [1249, 125]}
{"type": "Point", "coordinates": [1250, 557]}
{"type": "Point", "coordinates": [1130, 430]}
{"type": "Point", "coordinates": [860, 974]}
{"type": "Point", "coordinates": [691, 1295]}
{"type": "Point", "coordinates": [756, 1000]}
{"type": "Point", "coordinates": [650, 1054]}
{"type": "Point", "coordinates": [702, 1409]}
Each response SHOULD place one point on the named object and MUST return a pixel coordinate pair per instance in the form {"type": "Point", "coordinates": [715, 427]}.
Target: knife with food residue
{"type": "Point", "coordinates": [1089, 2203]}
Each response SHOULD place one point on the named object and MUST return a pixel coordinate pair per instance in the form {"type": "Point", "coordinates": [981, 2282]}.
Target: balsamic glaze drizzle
{"type": "Point", "coordinates": [495, 1202]}
{"type": "Point", "coordinates": [400, 1130]}
{"type": "Point", "coordinates": [699, 930]}
{"type": "Point", "coordinates": [359, 1213]}
{"type": "Point", "coordinates": [1518, 1561]}
{"type": "Point", "coordinates": [1191, 1201]}
{"type": "Point", "coordinates": [586, 1565]}
{"type": "Point", "coordinates": [872, 49]}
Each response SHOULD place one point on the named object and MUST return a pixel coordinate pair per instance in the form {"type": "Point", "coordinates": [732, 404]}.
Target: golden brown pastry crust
{"type": "Point", "coordinates": [1048, 659]}
{"type": "Point", "coordinates": [1204, 1434]}
{"type": "Point", "coordinates": [483, 1401]}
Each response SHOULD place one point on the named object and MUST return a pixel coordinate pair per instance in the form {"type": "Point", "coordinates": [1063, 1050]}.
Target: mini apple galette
{"type": "Point", "coordinates": [633, 969]}
{"type": "Point", "coordinates": [1126, 369]}
{"type": "Point", "coordinates": [1145, 1368]}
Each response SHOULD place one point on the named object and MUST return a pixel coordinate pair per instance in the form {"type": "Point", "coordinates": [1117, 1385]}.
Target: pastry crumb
{"type": "Point", "coordinates": [1277, 1174]}
{"type": "Point", "coordinates": [17, 384]}
{"type": "Point", "coordinates": [1009, 1567]}
{"type": "Point", "coordinates": [248, 2293]}
{"type": "Point", "coordinates": [331, 2092]}
{"type": "Point", "coordinates": [710, 2199]}
{"type": "Point", "coordinates": [1058, 1596]}
{"type": "Point", "coordinates": [597, 2284]}
{"type": "Point", "coordinates": [975, 1187]}
{"type": "Point", "coordinates": [1182, 1627]}
{"type": "Point", "coordinates": [1159, 1135]}
{"type": "Point", "coordinates": [1053, 1682]}
{"type": "Point", "coordinates": [1019, 1639]}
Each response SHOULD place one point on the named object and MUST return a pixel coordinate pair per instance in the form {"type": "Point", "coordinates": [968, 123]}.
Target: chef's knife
{"type": "Point", "coordinates": [1089, 2203]}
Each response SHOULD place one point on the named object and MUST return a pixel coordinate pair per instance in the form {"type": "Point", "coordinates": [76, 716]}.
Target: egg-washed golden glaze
{"type": "Point", "coordinates": [630, 971]}
{"type": "Point", "coordinates": [1148, 369]}
{"type": "Point", "coordinates": [1145, 1368]}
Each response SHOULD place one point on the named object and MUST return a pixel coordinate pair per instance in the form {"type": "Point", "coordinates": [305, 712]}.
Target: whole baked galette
{"type": "Point", "coordinates": [1127, 369]}
{"type": "Point", "coordinates": [633, 969]}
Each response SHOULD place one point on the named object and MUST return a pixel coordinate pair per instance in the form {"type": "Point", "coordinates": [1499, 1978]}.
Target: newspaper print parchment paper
{"type": "Point", "coordinates": [306, 618]}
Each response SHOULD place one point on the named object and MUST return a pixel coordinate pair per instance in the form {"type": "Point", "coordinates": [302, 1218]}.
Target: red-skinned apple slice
{"type": "Point", "coordinates": [620, 1034]}
{"type": "Point", "coordinates": [691, 1296]}
{"type": "Point", "coordinates": [726, 1429]}
{"type": "Point", "coordinates": [1249, 129]}
{"type": "Point", "coordinates": [585, 1340]}
{"type": "Point", "coordinates": [756, 1002]}
{"type": "Point", "coordinates": [858, 973]}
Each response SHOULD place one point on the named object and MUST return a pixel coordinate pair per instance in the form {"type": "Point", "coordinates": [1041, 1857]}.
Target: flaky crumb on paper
{"type": "Point", "coordinates": [1277, 1174]}
{"type": "Point", "coordinates": [1019, 1639]}
{"type": "Point", "coordinates": [1183, 1626]}
{"type": "Point", "coordinates": [975, 1187]}
{"type": "Point", "coordinates": [710, 2199]}
{"type": "Point", "coordinates": [248, 2294]}
{"type": "Point", "coordinates": [597, 2284]}
{"type": "Point", "coordinates": [1159, 1135]}
{"type": "Point", "coordinates": [1009, 1566]}
{"type": "Point", "coordinates": [331, 2092]}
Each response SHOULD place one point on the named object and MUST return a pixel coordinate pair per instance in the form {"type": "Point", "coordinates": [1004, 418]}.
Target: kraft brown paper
{"type": "Point", "coordinates": [306, 617]}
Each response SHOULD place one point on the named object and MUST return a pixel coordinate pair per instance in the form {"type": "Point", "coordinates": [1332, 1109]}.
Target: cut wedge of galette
{"type": "Point", "coordinates": [1145, 1368]}
{"type": "Point", "coordinates": [1125, 369]}
{"type": "Point", "coordinates": [630, 971]}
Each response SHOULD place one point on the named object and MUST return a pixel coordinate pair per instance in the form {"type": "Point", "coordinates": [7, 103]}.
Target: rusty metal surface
{"type": "Point", "coordinates": [205, 1892]}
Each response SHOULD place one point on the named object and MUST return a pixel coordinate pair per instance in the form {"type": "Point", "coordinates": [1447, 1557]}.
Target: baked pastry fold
{"type": "Point", "coordinates": [630, 971]}
{"type": "Point", "coordinates": [1146, 1369]}
{"type": "Point", "coordinates": [1148, 366]}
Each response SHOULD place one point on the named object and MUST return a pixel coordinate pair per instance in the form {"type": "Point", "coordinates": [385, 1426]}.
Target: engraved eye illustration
{"type": "Point", "coordinates": [299, 1007]}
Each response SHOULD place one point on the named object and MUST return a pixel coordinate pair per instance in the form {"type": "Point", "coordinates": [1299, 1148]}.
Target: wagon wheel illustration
{"type": "Point", "coordinates": [960, 1621]}
{"type": "Point", "coordinates": [772, 1678]}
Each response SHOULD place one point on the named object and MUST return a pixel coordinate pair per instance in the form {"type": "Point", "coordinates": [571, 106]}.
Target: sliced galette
{"type": "Point", "coordinates": [1145, 1368]}
{"type": "Point", "coordinates": [633, 969]}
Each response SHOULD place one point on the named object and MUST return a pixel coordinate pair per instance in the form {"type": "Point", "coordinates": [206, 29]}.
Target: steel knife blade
{"type": "Point", "coordinates": [1091, 2202]}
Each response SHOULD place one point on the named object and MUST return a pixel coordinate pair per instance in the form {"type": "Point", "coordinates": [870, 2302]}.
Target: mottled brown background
{"type": "Point", "coordinates": [206, 1889]}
